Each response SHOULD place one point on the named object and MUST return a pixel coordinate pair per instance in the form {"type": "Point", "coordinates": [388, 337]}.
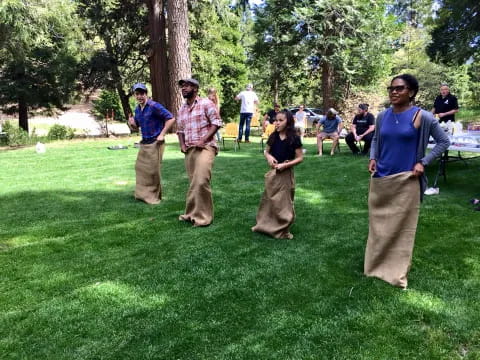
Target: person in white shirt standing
{"type": "Point", "coordinates": [249, 101]}
{"type": "Point", "coordinates": [300, 117]}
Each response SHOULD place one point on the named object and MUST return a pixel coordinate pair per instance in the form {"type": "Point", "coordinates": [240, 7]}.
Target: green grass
{"type": "Point", "coordinates": [87, 272]}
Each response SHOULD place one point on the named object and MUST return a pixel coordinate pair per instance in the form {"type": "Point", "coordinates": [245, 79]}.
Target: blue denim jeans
{"type": "Point", "coordinates": [245, 118]}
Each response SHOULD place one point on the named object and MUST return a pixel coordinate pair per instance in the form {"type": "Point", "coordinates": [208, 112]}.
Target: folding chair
{"type": "Point", "coordinates": [255, 122]}
{"type": "Point", "coordinates": [231, 133]}
{"type": "Point", "coordinates": [337, 148]}
{"type": "Point", "coordinates": [266, 134]}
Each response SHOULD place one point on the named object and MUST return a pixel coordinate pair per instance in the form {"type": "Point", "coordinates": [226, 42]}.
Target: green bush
{"type": "Point", "coordinates": [107, 102]}
{"type": "Point", "coordinates": [15, 136]}
{"type": "Point", "coordinates": [60, 132]}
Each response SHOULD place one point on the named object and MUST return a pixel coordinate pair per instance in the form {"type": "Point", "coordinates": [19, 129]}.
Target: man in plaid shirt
{"type": "Point", "coordinates": [197, 122]}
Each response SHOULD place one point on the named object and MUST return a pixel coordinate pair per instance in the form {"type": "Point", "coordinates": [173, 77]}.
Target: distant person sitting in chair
{"type": "Point", "coordinates": [271, 115]}
{"type": "Point", "coordinates": [332, 125]}
{"type": "Point", "coordinates": [362, 129]}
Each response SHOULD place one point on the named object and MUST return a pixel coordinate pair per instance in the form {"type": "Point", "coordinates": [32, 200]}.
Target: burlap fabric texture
{"type": "Point", "coordinates": [147, 169]}
{"type": "Point", "coordinates": [199, 202]}
{"type": "Point", "coordinates": [393, 203]}
{"type": "Point", "coordinates": [276, 212]}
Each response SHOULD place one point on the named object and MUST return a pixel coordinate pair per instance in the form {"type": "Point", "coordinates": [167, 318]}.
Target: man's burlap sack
{"type": "Point", "coordinates": [199, 202]}
{"type": "Point", "coordinates": [147, 169]}
{"type": "Point", "coordinates": [276, 212]}
{"type": "Point", "coordinates": [393, 204]}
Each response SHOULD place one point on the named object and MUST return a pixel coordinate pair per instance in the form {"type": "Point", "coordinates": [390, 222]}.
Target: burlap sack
{"type": "Point", "coordinates": [147, 169]}
{"type": "Point", "coordinates": [276, 212]}
{"type": "Point", "coordinates": [199, 202]}
{"type": "Point", "coordinates": [393, 204]}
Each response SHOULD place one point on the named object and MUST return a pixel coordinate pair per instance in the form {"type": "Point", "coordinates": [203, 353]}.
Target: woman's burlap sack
{"type": "Point", "coordinates": [393, 205]}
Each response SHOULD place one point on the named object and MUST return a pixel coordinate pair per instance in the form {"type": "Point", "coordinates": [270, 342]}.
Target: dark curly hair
{"type": "Point", "coordinates": [411, 81]}
{"type": "Point", "coordinates": [290, 128]}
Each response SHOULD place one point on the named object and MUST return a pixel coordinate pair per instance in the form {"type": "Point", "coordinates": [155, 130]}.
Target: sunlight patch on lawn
{"type": "Point", "coordinates": [121, 294]}
{"type": "Point", "coordinates": [18, 241]}
{"type": "Point", "coordinates": [309, 196]}
{"type": "Point", "coordinates": [425, 301]}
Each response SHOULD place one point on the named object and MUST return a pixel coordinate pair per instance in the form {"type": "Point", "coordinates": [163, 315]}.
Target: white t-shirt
{"type": "Point", "coordinates": [300, 118]}
{"type": "Point", "coordinates": [248, 98]}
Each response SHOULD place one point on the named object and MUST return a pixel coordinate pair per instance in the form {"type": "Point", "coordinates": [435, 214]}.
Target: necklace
{"type": "Point", "coordinates": [395, 117]}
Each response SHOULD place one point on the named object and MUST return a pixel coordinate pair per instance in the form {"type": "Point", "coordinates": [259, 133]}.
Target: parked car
{"type": "Point", "coordinates": [313, 115]}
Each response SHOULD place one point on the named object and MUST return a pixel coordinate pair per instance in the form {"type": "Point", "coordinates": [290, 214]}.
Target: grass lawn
{"type": "Point", "coordinates": [87, 272]}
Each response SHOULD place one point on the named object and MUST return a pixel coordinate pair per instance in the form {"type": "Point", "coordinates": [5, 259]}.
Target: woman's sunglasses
{"type": "Point", "coordinates": [397, 89]}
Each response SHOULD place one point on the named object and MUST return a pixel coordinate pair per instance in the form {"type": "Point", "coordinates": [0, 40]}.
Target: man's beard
{"type": "Point", "coordinates": [189, 94]}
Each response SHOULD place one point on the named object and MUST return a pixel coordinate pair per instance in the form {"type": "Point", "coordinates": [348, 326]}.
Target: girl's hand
{"type": "Point", "coordinates": [372, 166]}
{"type": "Point", "coordinates": [418, 170]}
{"type": "Point", "coordinates": [281, 166]}
{"type": "Point", "coordinates": [272, 163]}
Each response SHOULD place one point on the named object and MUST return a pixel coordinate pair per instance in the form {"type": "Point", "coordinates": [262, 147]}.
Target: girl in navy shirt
{"type": "Point", "coordinates": [284, 151]}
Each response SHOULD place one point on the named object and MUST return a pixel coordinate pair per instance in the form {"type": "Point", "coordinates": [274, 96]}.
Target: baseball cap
{"type": "Point", "coordinates": [189, 81]}
{"type": "Point", "coordinates": [139, 86]}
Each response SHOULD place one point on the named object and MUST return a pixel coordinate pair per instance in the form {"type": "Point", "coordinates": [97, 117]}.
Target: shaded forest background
{"type": "Point", "coordinates": [319, 53]}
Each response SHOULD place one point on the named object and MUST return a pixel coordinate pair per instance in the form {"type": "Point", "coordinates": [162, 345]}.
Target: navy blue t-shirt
{"type": "Point", "coordinates": [282, 150]}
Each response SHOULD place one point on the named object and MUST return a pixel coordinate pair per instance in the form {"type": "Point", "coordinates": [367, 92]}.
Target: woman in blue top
{"type": "Point", "coordinates": [284, 151]}
{"type": "Point", "coordinates": [397, 164]}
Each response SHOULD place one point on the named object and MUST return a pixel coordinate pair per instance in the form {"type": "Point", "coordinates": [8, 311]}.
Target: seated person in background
{"type": "Point", "coordinates": [270, 116]}
{"type": "Point", "coordinates": [332, 125]}
{"type": "Point", "coordinates": [363, 128]}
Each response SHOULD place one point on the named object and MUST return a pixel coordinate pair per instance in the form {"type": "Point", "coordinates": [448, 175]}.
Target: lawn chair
{"type": "Point", "coordinates": [231, 133]}
{"type": "Point", "coordinates": [266, 134]}
{"type": "Point", "coordinates": [255, 122]}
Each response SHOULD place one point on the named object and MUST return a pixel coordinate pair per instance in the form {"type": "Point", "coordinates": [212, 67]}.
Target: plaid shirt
{"type": "Point", "coordinates": [152, 119]}
{"type": "Point", "coordinates": [196, 120]}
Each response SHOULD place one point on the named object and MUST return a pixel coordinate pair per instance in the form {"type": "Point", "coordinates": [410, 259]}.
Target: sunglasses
{"type": "Point", "coordinates": [397, 89]}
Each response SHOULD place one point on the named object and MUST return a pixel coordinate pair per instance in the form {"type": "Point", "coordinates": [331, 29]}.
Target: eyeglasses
{"type": "Point", "coordinates": [397, 89]}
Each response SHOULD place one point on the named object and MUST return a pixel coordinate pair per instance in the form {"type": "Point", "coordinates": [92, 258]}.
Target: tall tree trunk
{"type": "Point", "coordinates": [23, 112]}
{"type": "Point", "coordinates": [124, 101]}
{"type": "Point", "coordinates": [179, 66]}
{"type": "Point", "coordinates": [157, 54]}
{"type": "Point", "coordinates": [327, 85]}
{"type": "Point", "coordinates": [117, 78]}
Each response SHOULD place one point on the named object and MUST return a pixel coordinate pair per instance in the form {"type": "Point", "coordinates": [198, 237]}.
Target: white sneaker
{"type": "Point", "coordinates": [304, 150]}
{"type": "Point", "coordinates": [432, 191]}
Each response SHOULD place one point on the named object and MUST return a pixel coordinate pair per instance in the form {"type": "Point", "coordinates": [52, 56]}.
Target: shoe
{"type": "Point", "coordinates": [247, 141]}
{"type": "Point", "coordinates": [432, 191]}
{"type": "Point", "coordinates": [474, 201]}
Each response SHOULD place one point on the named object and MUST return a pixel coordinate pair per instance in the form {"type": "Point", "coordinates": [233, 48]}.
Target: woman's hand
{"type": "Point", "coordinates": [372, 166]}
{"type": "Point", "coordinates": [418, 170]}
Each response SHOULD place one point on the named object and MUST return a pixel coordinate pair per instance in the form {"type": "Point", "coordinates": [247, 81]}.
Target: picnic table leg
{"type": "Point", "coordinates": [442, 168]}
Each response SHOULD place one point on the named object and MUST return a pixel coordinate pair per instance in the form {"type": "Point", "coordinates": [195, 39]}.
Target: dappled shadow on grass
{"type": "Point", "coordinates": [96, 274]}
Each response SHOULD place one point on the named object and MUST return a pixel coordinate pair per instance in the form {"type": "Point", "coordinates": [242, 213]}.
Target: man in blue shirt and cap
{"type": "Point", "coordinates": [154, 121]}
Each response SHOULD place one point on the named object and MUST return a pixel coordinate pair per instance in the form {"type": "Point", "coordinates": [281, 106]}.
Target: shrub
{"type": "Point", "coordinates": [15, 136]}
{"type": "Point", "coordinates": [60, 132]}
{"type": "Point", "coordinates": [107, 102]}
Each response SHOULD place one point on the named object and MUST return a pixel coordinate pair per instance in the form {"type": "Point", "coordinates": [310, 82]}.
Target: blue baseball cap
{"type": "Point", "coordinates": [139, 86]}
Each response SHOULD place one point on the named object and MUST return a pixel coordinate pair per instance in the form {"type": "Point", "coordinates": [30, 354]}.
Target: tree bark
{"type": "Point", "coordinates": [157, 54]}
{"type": "Point", "coordinates": [23, 112]}
{"type": "Point", "coordinates": [179, 65]}
{"type": "Point", "coordinates": [327, 85]}
{"type": "Point", "coordinates": [124, 101]}
{"type": "Point", "coordinates": [117, 78]}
